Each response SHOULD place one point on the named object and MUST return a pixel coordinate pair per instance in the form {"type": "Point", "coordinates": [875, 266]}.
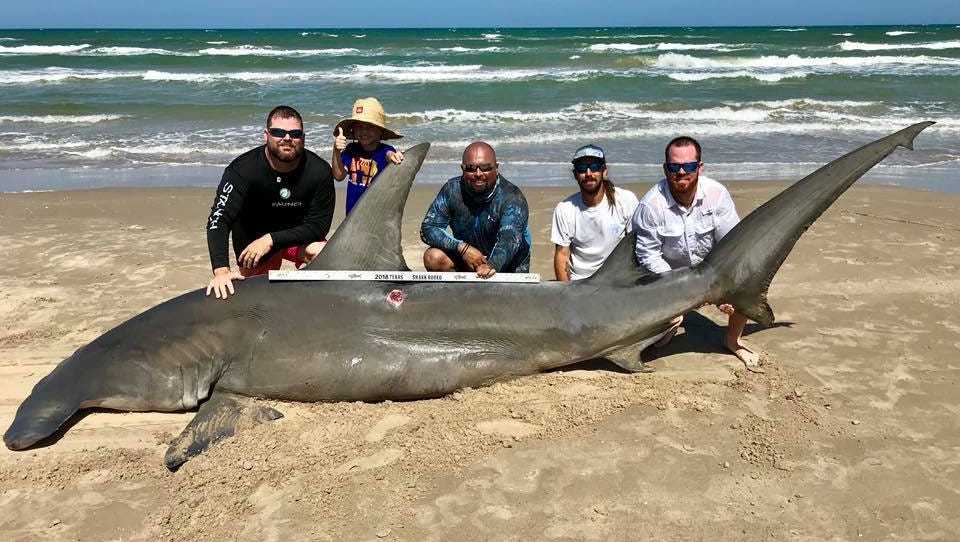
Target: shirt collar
{"type": "Point", "coordinates": [671, 202]}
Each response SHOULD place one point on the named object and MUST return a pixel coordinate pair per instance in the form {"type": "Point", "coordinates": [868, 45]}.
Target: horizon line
{"type": "Point", "coordinates": [497, 27]}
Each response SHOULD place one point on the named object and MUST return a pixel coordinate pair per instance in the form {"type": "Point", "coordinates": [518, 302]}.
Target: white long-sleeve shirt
{"type": "Point", "coordinates": [671, 236]}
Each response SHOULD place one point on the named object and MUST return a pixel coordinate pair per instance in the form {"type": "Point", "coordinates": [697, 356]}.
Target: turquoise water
{"type": "Point", "coordinates": [84, 108]}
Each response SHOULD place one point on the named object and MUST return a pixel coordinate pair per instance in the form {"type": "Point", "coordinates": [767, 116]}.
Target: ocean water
{"type": "Point", "coordinates": [90, 108]}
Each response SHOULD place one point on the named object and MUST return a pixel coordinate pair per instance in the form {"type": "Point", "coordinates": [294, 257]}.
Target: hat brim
{"type": "Point", "coordinates": [348, 124]}
{"type": "Point", "coordinates": [597, 158]}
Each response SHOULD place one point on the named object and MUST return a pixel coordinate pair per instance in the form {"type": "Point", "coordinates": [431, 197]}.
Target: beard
{"type": "Point", "coordinates": [684, 185]}
{"type": "Point", "coordinates": [478, 186]}
{"type": "Point", "coordinates": [284, 153]}
{"type": "Point", "coordinates": [584, 187]}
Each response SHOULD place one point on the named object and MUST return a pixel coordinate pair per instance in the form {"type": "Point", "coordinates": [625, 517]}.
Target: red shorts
{"type": "Point", "coordinates": [291, 254]}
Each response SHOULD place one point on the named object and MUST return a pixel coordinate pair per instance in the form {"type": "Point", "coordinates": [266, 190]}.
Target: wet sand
{"type": "Point", "coordinates": [852, 433]}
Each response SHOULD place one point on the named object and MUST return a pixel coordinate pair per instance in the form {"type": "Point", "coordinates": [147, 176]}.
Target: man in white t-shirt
{"type": "Point", "coordinates": [588, 225]}
{"type": "Point", "coordinates": [679, 220]}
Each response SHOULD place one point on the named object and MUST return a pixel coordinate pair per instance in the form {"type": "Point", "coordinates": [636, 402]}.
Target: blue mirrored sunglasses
{"type": "Point", "coordinates": [689, 167]}
{"type": "Point", "coordinates": [280, 133]}
{"type": "Point", "coordinates": [582, 167]}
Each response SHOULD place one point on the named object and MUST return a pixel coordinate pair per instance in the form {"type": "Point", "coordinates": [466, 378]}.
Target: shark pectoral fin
{"type": "Point", "coordinates": [217, 418]}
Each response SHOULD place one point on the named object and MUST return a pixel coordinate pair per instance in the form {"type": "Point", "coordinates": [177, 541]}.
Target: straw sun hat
{"type": "Point", "coordinates": [370, 111]}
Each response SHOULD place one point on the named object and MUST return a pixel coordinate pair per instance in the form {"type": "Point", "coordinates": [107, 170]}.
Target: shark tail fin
{"type": "Point", "coordinates": [746, 259]}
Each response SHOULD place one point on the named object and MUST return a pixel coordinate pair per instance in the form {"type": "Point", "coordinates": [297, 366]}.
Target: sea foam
{"type": "Point", "coordinates": [858, 46]}
{"type": "Point", "coordinates": [42, 49]}
{"type": "Point", "coordinates": [674, 60]}
{"type": "Point", "coordinates": [133, 51]}
{"type": "Point", "coordinates": [250, 50]}
{"type": "Point", "coordinates": [61, 119]}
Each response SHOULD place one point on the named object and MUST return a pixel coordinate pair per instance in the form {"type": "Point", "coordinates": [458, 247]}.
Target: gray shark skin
{"type": "Point", "coordinates": [370, 341]}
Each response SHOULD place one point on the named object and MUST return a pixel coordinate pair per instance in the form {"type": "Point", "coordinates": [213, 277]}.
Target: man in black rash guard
{"type": "Point", "coordinates": [276, 200]}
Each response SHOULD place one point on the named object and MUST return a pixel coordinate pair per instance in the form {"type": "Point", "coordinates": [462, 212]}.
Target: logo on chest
{"type": "Point", "coordinates": [284, 193]}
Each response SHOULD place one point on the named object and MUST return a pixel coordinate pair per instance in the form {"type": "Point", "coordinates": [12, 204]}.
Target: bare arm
{"type": "Point", "coordinates": [561, 258]}
{"type": "Point", "coordinates": [336, 160]}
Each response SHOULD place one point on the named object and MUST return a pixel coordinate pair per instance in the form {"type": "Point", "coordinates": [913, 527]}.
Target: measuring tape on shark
{"type": "Point", "coordinates": [399, 276]}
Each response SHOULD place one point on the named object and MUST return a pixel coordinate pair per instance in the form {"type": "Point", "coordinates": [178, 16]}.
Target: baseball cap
{"type": "Point", "coordinates": [588, 151]}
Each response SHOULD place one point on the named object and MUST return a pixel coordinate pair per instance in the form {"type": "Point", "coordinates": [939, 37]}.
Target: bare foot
{"type": "Point", "coordinates": [665, 340]}
{"type": "Point", "coordinates": [749, 358]}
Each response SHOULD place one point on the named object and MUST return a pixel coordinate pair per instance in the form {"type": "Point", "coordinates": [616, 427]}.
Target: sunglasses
{"type": "Point", "coordinates": [582, 167]}
{"type": "Point", "coordinates": [471, 168]}
{"type": "Point", "coordinates": [688, 167]}
{"type": "Point", "coordinates": [280, 133]}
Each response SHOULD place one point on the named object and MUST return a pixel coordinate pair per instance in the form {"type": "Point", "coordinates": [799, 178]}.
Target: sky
{"type": "Point", "coordinates": [454, 13]}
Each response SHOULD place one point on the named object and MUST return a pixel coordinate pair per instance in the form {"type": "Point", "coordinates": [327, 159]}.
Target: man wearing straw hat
{"type": "Point", "coordinates": [362, 160]}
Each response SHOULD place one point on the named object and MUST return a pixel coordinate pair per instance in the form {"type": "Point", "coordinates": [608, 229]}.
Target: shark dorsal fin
{"type": "Point", "coordinates": [620, 268]}
{"type": "Point", "coordinates": [369, 238]}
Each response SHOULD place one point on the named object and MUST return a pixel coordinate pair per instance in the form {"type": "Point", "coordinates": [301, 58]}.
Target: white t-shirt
{"type": "Point", "coordinates": [591, 232]}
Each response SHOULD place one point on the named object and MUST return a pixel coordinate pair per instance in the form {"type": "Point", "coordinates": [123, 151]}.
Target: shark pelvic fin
{"type": "Point", "coordinates": [369, 238]}
{"type": "Point", "coordinates": [628, 357]}
{"type": "Point", "coordinates": [218, 418]}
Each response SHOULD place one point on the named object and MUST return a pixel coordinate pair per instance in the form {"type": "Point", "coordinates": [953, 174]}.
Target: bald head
{"type": "Point", "coordinates": [481, 149]}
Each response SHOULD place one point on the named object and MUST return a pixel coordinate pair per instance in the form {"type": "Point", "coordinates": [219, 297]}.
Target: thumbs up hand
{"type": "Point", "coordinates": [340, 142]}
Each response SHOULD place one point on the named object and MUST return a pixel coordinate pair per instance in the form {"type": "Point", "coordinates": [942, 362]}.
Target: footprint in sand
{"type": "Point", "coordinates": [507, 428]}
{"type": "Point", "coordinates": [377, 460]}
{"type": "Point", "coordinates": [579, 389]}
{"type": "Point", "coordinates": [384, 426]}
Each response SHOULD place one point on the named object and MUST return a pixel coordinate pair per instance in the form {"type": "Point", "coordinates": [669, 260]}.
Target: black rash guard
{"type": "Point", "coordinates": [295, 208]}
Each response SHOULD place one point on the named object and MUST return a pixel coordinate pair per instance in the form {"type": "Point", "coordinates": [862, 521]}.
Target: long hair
{"type": "Point", "coordinates": [608, 190]}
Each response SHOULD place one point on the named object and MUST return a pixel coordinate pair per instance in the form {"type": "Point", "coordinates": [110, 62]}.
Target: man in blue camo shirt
{"type": "Point", "coordinates": [487, 216]}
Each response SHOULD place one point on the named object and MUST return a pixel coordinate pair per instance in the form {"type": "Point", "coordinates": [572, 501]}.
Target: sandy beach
{"type": "Point", "coordinates": [851, 433]}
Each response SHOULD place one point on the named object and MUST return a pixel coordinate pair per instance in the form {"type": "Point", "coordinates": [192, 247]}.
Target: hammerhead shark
{"type": "Point", "coordinates": [370, 341]}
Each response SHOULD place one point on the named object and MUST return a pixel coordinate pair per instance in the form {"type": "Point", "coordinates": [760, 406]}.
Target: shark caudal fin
{"type": "Point", "coordinates": [746, 259]}
{"type": "Point", "coordinates": [369, 238]}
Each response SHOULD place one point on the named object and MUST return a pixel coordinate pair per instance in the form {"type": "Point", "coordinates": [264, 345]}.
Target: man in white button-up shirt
{"type": "Point", "coordinates": [677, 223]}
